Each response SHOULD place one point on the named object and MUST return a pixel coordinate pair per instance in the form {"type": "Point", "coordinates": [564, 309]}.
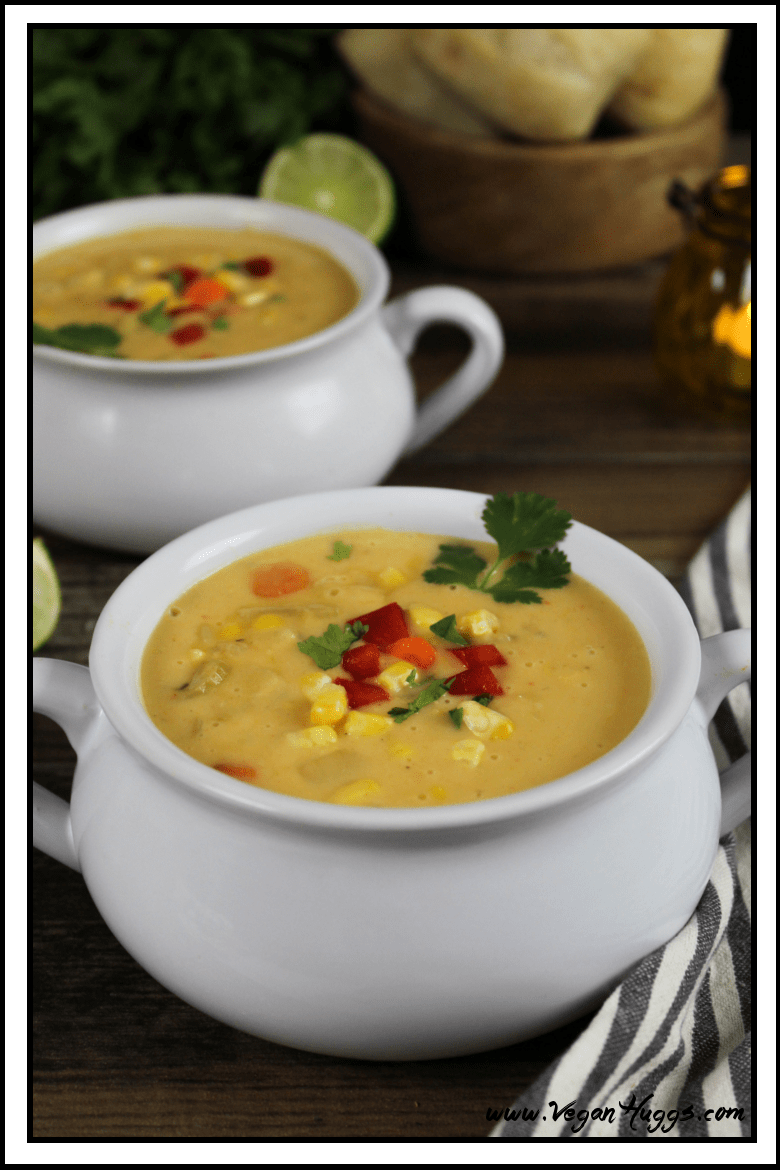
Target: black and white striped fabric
{"type": "Point", "coordinates": [669, 1053]}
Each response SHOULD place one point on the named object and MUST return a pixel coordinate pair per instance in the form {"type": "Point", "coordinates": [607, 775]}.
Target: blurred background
{"type": "Point", "coordinates": [135, 111]}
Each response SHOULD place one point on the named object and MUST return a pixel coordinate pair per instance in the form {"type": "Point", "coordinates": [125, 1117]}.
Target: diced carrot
{"type": "Point", "coordinates": [278, 579]}
{"type": "Point", "coordinates": [206, 291]}
{"type": "Point", "coordinates": [238, 771]}
{"type": "Point", "coordinates": [415, 650]}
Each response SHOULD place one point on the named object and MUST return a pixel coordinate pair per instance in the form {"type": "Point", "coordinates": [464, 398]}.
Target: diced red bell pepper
{"type": "Point", "coordinates": [385, 625]}
{"type": "Point", "coordinates": [120, 303]}
{"type": "Point", "coordinates": [414, 650]}
{"type": "Point", "coordinates": [360, 694]}
{"type": "Point", "coordinates": [177, 312]}
{"type": "Point", "coordinates": [187, 334]}
{"type": "Point", "coordinates": [185, 272]}
{"type": "Point", "coordinates": [476, 680]}
{"type": "Point", "coordinates": [478, 655]}
{"type": "Point", "coordinates": [362, 661]}
{"type": "Point", "coordinates": [259, 266]}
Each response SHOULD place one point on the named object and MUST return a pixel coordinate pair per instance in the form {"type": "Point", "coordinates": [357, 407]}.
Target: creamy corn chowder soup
{"type": "Point", "coordinates": [168, 293]}
{"type": "Point", "coordinates": [332, 669]}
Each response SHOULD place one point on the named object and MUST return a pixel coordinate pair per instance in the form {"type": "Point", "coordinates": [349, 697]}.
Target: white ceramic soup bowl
{"type": "Point", "coordinates": [130, 454]}
{"type": "Point", "coordinates": [392, 934]}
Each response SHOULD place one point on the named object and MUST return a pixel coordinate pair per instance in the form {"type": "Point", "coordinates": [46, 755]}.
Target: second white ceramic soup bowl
{"type": "Point", "coordinates": [390, 933]}
{"type": "Point", "coordinates": [130, 454]}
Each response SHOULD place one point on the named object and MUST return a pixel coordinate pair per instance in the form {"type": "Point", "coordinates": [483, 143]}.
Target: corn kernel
{"type": "Point", "coordinates": [468, 750]}
{"type": "Point", "coordinates": [312, 737]}
{"type": "Point", "coordinates": [485, 723]}
{"type": "Point", "coordinates": [255, 298]}
{"type": "Point", "coordinates": [424, 617]}
{"type": "Point", "coordinates": [479, 623]}
{"type": "Point", "coordinates": [358, 792]}
{"type": "Point", "coordinates": [156, 291]}
{"type": "Point", "coordinates": [312, 684]}
{"type": "Point", "coordinates": [233, 280]}
{"type": "Point", "coordinates": [123, 284]}
{"type": "Point", "coordinates": [146, 264]}
{"type": "Point", "coordinates": [230, 631]}
{"type": "Point", "coordinates": [87, 280]}
{"type": "Point", "coordinates": [394, 678]}
{"type": "Point", "coordinates": [401, 751]}
{"type": "Point", "coordinates": [267, 621]}
{"type": "Point", "coordinates": [329, 706]}
{"type": "Point", "coordinates": [392, 578]}
{"type": "Point", "coordinates": [362, 723]}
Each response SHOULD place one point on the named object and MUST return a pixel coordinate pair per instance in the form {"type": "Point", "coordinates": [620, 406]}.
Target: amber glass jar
{"type": "Point", "coordinates": [703, 314]}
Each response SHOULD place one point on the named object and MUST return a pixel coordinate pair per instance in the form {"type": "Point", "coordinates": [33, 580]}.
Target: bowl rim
{"type": "Point", "coordinates": [372, 296]}
{"type": "Point", "coordinates": [129, 616]}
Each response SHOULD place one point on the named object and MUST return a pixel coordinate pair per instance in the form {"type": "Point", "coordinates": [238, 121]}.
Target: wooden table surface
{"type": "Point", "coordinates": [576, 413]}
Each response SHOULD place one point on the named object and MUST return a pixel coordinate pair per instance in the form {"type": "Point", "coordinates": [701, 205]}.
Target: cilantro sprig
{"type": "Point", "coordinates": [156, 318]}
{"type": "Point", "coordinates": [526, 525]}
{"type": "Point", "coordinates": [329, 647]}
{"type": "Point", "coordinates": [99, 340]}
{"type": "Point", "coordinates": [429, 694]}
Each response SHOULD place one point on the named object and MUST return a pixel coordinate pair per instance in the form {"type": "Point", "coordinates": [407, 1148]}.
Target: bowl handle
{"type": "Point", "coordinates": [725, 663]}
{"type": "Point", "coordinates": [406, 317]}
{"type": "Point", "coordinates": [64, 692]}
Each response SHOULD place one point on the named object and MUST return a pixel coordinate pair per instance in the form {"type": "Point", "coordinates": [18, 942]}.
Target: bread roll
{"type": "Point", "coordinates": [548, 84]}
{"type": "Point", "coordinates": [383, 60]}
{"type": "Point", "coordinates": [672, 78]}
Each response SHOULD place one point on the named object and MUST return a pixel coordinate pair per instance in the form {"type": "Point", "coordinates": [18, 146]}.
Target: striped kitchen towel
{"type": "Point", "coordinates": [669, 1053]}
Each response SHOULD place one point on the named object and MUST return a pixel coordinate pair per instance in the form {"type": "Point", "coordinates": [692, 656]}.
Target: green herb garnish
{"type": "Point", "coordinates": [329, 647]}
{"type": "Point", "coordinates": [433, 691]}
{"type": "Point", "coordinates": [277, 299]}
{"type": "Point", "coordinates": [447, 628]}
{"type": "Point", "coordinates": [174, 277]}
{"type": "Point", "coordinates": [522, 524]}
{"type": "Point", "coordinates": [99, 340]}
{"type": "Point", "coordinates": [340, 551]}
{"type": "Point", "coordinates": [156, 318]}
{"type": "Point", "coordinates": [456, 714]}
{"type": "Point", "coordinates": [220, 323]}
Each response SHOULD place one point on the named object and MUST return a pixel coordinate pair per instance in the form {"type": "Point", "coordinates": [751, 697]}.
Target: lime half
{"type": "Point", "coordinates": [46, 595]}
{"type": "Point", "coordinates": [335, 176]}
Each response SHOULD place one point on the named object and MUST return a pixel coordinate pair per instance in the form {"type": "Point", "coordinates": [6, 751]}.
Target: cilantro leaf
{"type": "Point", "coordinates": [547, 570]}
{"type": "Point", "coordinates": [524, 522]}
{"type": "Point", "coordinates": [329, 647]}
{"type": "Point", "coordinates": [520, 524]}
{"type": "Point", "coordinates": [447, 629]}
{"type": "Point", "coordinates": [429, 694]}
{"type": "Point", "coordinates": [340, 551]}
{"type": "Point", "coordinates": [100, 340]}
{"type": "Point", "coordinates": [220, 323]}
{"type": "Point", "coordinates": [456, 715]}
{"type": "Point", "coordinates": [463, 566]}
{"type": "Point", "coordinates": [156, 318]}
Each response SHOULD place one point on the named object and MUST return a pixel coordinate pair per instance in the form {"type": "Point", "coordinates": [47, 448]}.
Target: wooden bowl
{"type": "Point", "coordinates": [491, 205]}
